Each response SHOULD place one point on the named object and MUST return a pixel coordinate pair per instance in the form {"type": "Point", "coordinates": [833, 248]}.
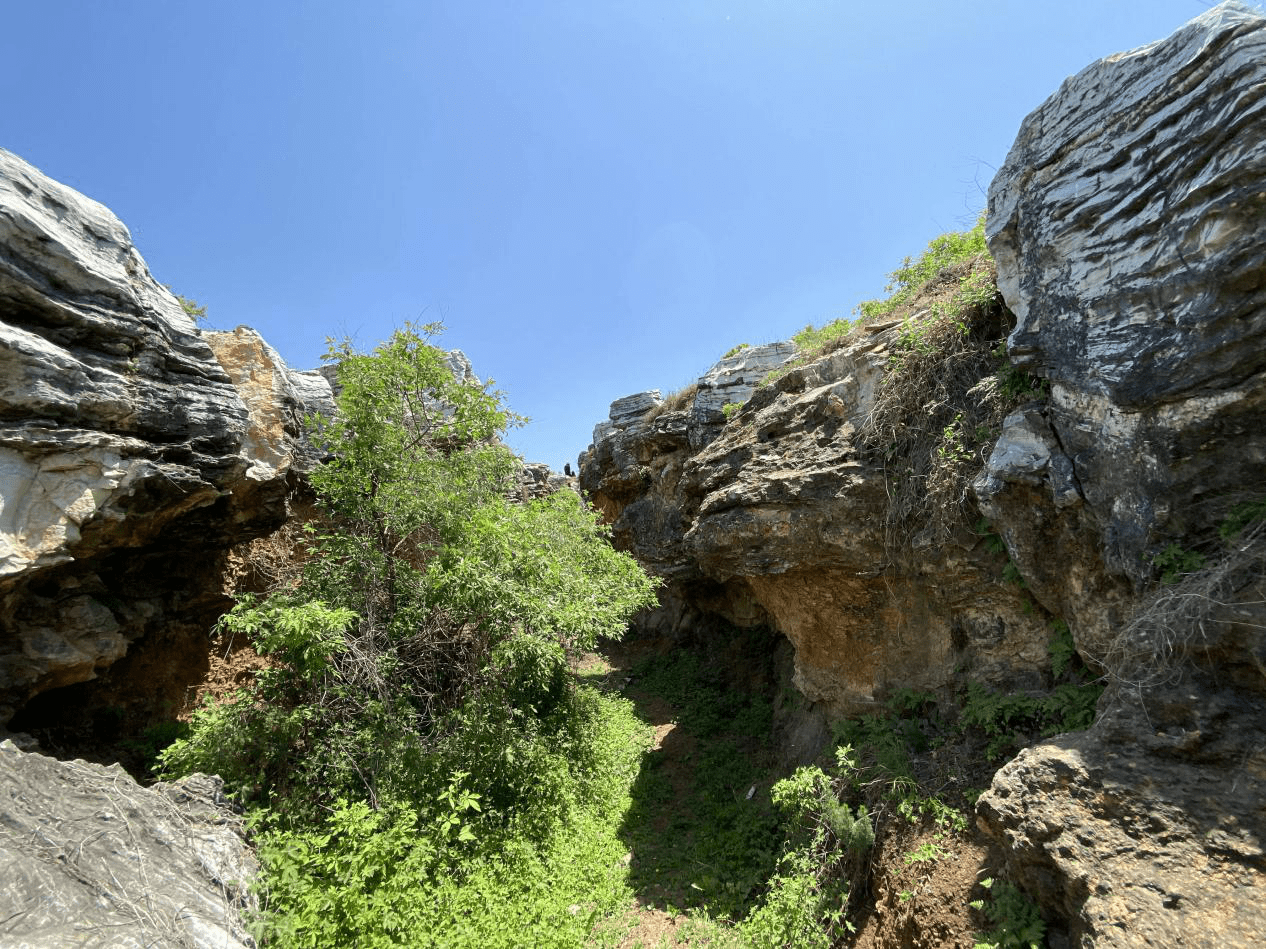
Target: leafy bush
{"type": "Point", "coordinates": [192, 308]}
{"type": "Point", "coordinates": [1004, 718]}
{"type": "Point", "coordinates": [1174, 563]}
{"type": "Point", "coordinates": [416, 744]}
{"type": "Point", "coordinates": [942, 253]}
{"type": "Point", "coordinates": [437, 875]}
{"type": "Point", "coordinates": [807, 897]}
{"type": "Point", "coordinates": [1240, 517]}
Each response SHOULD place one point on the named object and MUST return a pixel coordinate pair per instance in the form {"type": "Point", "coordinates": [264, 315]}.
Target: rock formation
{"type": "Point", "coordinates": [134, 449]}
{"type": "Point", "coordinates": [777, 518]}
{"type": "Point", "coordinates": [1127, 225]}
{"type": "Point", "coordinates": [89, 858]}
{"type": "Point", "coordinates": [1126, 229]}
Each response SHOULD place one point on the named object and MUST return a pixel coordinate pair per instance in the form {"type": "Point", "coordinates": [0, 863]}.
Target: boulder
{"type": "Point", "coordinates": [89, 858]}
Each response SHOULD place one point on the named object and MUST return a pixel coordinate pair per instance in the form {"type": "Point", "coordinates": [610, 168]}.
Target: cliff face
{"type": "Point", "coordinates": [780, 517]}
{"type": "Point", "coordinates": [1126, 228]}
{"type": "Point", "coordinates": [134, 450]}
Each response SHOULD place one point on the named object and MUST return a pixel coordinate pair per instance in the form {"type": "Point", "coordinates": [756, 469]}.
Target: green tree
{"type": "Point", "coordinates": [429, 633]}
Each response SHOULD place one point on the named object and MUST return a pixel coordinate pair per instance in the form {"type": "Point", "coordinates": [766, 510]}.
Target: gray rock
{"type": "Point", "coordinates": [733, 379]}
{"type": "Point", "coordinates": [89, 858]}
{"type": "Point", "coordinates": [128, 459]}
{"type": "Point", "coordinates": [1126, 225]}
{"type": "Point", "coordinates": [631, 408]}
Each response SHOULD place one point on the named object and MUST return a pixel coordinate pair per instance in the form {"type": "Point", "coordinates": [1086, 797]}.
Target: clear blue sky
{"type": "Point", "coordinates": [596, 197]}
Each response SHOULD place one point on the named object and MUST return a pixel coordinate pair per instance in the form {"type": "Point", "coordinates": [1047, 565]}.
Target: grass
{"type": "Point", "coordinates": [697, 840]}
{"type": "Point", "coordinates": [677, 401]}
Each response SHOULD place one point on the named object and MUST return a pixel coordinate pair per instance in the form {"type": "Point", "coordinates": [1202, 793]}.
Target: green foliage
{"type": "Point", "coordinates": [416, 755]}
{"type": "Point", "coordinates": [1240, 517]}
{"type": "Point", "coordinates": [735, 350]}
{"type": "Point", "coordinates": [438, 874]}
{"type": "Point", "coordinates": [954, 443]}
{"type": "Point", "coordinates": [731, 409]}
{"type": "Point", "coordinates": [1062, 649]}
{"type": "Point", "coordinates": [800, 909]}
{"type": "Point", "coordinates": [1175, 562]}
{"type": "Point", "coordinates": [808, 798]}
{"type": "Point", "coordinates": [814, 340]}
{"type": "Point", "coordinates": [1004, 718]}
{"type": "Point", "coordinates": [154, 740]}
{"type": "Point", "coordinates": [913, 275]}
{"type": "Point", "coordinates": [1015, 919]}
{"type": "Point", "coordinates": [992, 539]}
{"type": "Point", "coordinates": [696, 834]}
{"type": "Point", "coordinates": [1016, 385]}
{"type": "Point", "coordinates": [807, 898]}
{"type": "Point", "coordinates": [925, 853]}
{"type": "Point", "coordinates": [192, 309]}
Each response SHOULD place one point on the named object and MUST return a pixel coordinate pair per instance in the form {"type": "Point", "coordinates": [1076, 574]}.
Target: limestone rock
{"type": "Point", "coordinates": [1126, 225]}
{"type": "Point", "coordinates": [777, 518]}
{"type": "Point", "coordinates": [278, 400]}
{"type": "Point", "coordinates": [89, 858]}
{"type": "Point", "coordinates": [537, 480]}
{"type": "Point", "coordinates": [1148, 829]}
{"type": "Point", "coordinates": [733, 380]}
{"type": "Point", "coordinates": [129, 462]}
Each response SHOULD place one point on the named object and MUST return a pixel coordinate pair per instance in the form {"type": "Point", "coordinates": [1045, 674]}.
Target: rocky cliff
{"type": "Point", "coordinates": [1127, 226]}
{"type": "Point", "coordinates": [134, 449]}
{"type": "Point", "coordinates": [858, 499]}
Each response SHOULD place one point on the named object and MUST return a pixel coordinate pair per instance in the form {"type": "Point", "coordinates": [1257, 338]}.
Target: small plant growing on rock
{"type": "Point", "coordinates": [1174, 563]}
{"type": "Point", "coordinates": [1015, 920]}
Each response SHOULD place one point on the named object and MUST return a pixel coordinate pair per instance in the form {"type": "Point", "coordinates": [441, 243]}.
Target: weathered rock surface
{"type": "Point", "coordinates": [777, 518]}
{"type": "Point", "coordinates": [733, 380]}
{"type": "Point", "coordinates": [1150, 828]}
{"type": "Point", "coordinates": [1126, 224]}
{"type": "Point", "coordinates": [88, 858]}
{"type": "Point", "coordinates": [538, 480]}
{"type": "Point", "coordinates": [129, 460]}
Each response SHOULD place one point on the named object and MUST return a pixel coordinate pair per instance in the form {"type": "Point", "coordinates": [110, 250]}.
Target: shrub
{"type": "Point", "coordinates": [416, 744]}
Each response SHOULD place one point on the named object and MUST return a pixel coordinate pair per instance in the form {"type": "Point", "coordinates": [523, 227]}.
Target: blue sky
{"type": "Point", "coordinates": [596, 197]}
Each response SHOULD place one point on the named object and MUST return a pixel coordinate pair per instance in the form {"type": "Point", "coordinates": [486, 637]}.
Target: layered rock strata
{"type": "Point", "coordinates": [779, 519]}
{"type": "Point", "coordinates": [1127, 225]}
{"type": "Point", "coordinates": [134, 450]}
{"type": "Point", "coordinates": [89, 858]}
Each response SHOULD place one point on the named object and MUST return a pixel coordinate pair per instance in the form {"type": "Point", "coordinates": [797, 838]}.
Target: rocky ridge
{"type": "Point", "coordinates": [134, 449]}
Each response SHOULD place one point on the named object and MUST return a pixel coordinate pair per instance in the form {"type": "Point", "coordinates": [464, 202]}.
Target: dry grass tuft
{"type": "Point", "coordinates": [675, 402]}
{"type": "Point", "coordinates": [939, 410]}
{"type": "Point", "coordinates": [1158, 643]}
